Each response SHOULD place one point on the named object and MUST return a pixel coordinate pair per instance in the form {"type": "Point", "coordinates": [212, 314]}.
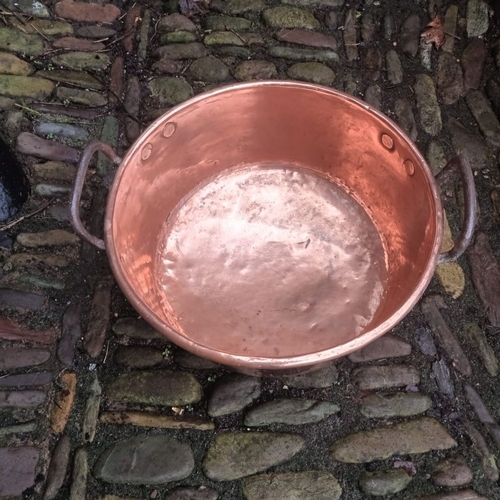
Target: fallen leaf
{"type": "Point", "coordinates": [434, 32]}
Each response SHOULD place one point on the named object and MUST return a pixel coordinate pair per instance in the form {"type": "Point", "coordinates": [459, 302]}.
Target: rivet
{"type": "Point", "coordinates": [169, 129]}
{"type": "Point", "coordinates": [410, 167]}
{"type": "Point", "coordinates": [387, 141]}
{"type": "Point", "coordinates": [146, 151]}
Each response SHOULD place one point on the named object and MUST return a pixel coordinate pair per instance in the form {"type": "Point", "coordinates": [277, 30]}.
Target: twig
{"type": "Point", "coordinates": [106, 355]}
{"type": "Point", "coordinates": [123, 15]}
{"type": "Point", "coordinates": [12, 13]}
{"type": "Point", "coordinates": [240, 37]}
{"type": "Point", "coordinates": [27, 216]}
{"type": "Point", "coordinates": [451, 34]}
{"type": "Point", "coordinates": [29, 110]}
{"type": "Point", "coordinates": [128, 33]}
{"type": "Point", "coordinates": [39, 32]}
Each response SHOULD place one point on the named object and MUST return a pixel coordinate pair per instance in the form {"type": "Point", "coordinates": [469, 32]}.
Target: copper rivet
{"type": "Point", "coordinates": [410, 167]}
{"type": "Point", "coordinates": [387, 141]}
{"type": "Point", "coordinates": [146, 151]}
{"type": "Point", "coordinates": [169, 129]}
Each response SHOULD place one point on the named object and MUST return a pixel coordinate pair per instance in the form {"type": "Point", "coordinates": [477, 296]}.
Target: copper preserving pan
{"type": "Point", "coordinates": [273, 225]}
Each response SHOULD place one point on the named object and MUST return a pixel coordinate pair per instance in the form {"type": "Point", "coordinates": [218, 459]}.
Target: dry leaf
{"type": "Point", "coordinates": [434, 32]}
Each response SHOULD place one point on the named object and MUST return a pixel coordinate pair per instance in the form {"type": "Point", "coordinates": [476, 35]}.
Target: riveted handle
{"type": "Point", "coordinates": [461, 164]}
{"type": "Point", "coordinates": [76, 193]}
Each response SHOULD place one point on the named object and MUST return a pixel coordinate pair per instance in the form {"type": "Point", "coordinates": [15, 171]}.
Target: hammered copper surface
{"type": "Point", "coordinates": [284, 129]}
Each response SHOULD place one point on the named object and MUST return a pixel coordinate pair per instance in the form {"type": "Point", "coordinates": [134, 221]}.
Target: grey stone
{"type": "Point", "coordinates": [291, 412]}
{"type": "Point", "coordinates": [387, 346]}
{"type": "Point", "coordinates": [40, 282]}
{"type": "Point", "coordinates": [218, 38]}
{"type": "Point", "coordinates": [20, 357]}
{"type": "Point", "coordinates": [237, 7]}
{"type": "Point", "coordinates": [77, 96]}
{"type": "Point", "coordinates": [62, 130]}
{"type": "Point", "coordinates": [190, 493]}
{"type": "Point", "coordinates": [486, 119]}
{"type": "Point", "coordinates": [23, 428]}
{"type": "Point", "coordinates": [294, 54]}
{"type": "Point", "coordinates": [171, 91]}
{"type": "Point", "coordinates": [481, 449]}
{"type": "Point", "coordinates": [373, 64]}
{"type": "Point", "coordinates": [21, 399]}
{"type": "Point", "coordinates": [234, 455]}
{"type": "Point", "coordinates": [163, 387]}
{"type": "Point", "coordinates": [350, 39]}
{"type": "Point", "coordinates": [441, 374]}
{"type": "Point", "coordinates": [225, 23]}
{"type": "Point", "coordinates": [468, 143]}
{"type": "Point", "coordinates": [307, 38]}
{"type": "Point", "coordinates": [481, 410]}
{"type": "Point", "coordinates": [232, 394]}
{"type": "Point", "coordinates": [367, 28]}
{"type": "Point", "coordinates": [109, 135]}
{"type": "Point", "coordinates": [14, 123]}
{"type": "Point", "coordinates": [436, 158]}
{"type": "Point", "coordinates": [478, 339]}
{"type": "Point", "coordinates": [12, 40]}
{"type": "Point", "coordinates": [453, 471]}
{"type": "Point", "coordinates": [169, 66]}
{"type": "Point", "coordinates": [426, 54]}
{"type": "Point", "coordinates": [209, 69]}
{"type": "Point", "coordinates": [26, 379]}
{"type": "Point", "coordinates": [321, 378]}
{"type": "Point", "coordinates": [388, 26]}
{"type": "Point", "coordinates": [290, 17]}
{"type": "Point", "coordinates": [135, 328]}
{"type": "Point", "coordinates": [95, 61]}
{"type": "Point", "coordinates": [373, 96]}
{"type": "Point", "coordinates": [449, 79]}
{"type": "Point", "coordinates": [450, 26]}
{"type": "Point", "coordinates": [188, 360]}
{"type": "Point", "coordinates": [145, 460]}
{"type": "Point", "coordinates": [78, 489]}
{"type": "Point", "coordinates": [79, 78]}
{"type": "Point", "coordinates": [18, 469]}
{"type": "Point", "coordinates": [71, 332]}
{"type": "Point", "coordinates": [473, 58]}
{"type": "Point", "coordinates": [455, 495]}
{"type": "Point", "coordinates": [91, 410]}
{"type": "Point", "coordinates": [396, 404]}
{"type": "Point", "coordinates": [178, 37]}
{"type": "Point", "coordinates": [95, 31]}
{"type": "Point", "coordinates": [234, 51]}
{"type": "Point", "coordinates": [410, 35]}
{"type": "Point", "coordinates": [406, 438]}
{"type": "Point", "coordinates": [255, 70]}
{"type": "Point", "coordinates": [394, 68]}
{"type": "Point", "coordinates": [406, 119]}
{"type": "Point", "coordinates": [30, 7]}
{"type": "Point", "coordinates": [142, 48]}
{"type": "Point", "coordinates": [181, 51]}
{"type": "Point", "coordinates": [51, 238]}
{"type": "Point", "coordinates": [477, 18]}
{"type": "Point", "coordinates": [422, 336]}
{"type": "Point", "coordinates": [331, 20]}
{"type": "Point", "coordinates": [430, 113]}
{"type": "Point", "coordinates": [52, 190]}
{"type": "Point", "coordinates": [384, 482]}
{"type": "Point", "coordinates": [305, 485]}
{"type": "Point", "coordinates": [378, 377]}
{"type": "Point", "coordinates": [493, 92]}
{"type": "Point", "coordinates": [138, 356]}
{"type": "Point", "coordinates": [21, 300]}
{"type": "Point", "coordinates": [57, 468]}
{"type": "Point", "coordinates": [312, 72]}
{"type": "Point", "coordinates": [175, 22]}
{"type": "Point", "coordinates": [60, 213]}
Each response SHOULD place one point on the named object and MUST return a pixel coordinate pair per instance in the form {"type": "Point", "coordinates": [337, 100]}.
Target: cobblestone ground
{"type": "Point", "coordinates": [95, 404]}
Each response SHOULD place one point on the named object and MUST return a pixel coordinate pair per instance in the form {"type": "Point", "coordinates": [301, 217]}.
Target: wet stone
{"type": "Point", "coordinates": [78, 489]}
{"type": "Point", "coordinates": [21, 399]}
{"type": "Point", "coordinates": [135, 328]}
{"type": "Point", "coordinates": [178, 37]}
{"type": "Point", "coordinates": [478, 339]}
{"type": "Point", "coordinates": [430, 113]}
{"type": "Point", "coordinates": [290, 17]}
{"type": "Point", "coordinates": [18, 469]}
{"type": "Point", "coordinates": [394, 68]}
{"type": "Point", "coordinates": [77, 96]}
{"type": "Point", "coordinates": [21, 300]}
{"type": "Point", "coordinates": [138, 356]}
{"type": "Point", "coordinates": [25, 86]}
{"type": "Point", "coordinates": [94, 61]}
{"type": "Point", "coordinates": [322, 378]}
{"type": "Point", "coordinates": [291, 412]}
{"type": "Point", "coordinates": [387, 346]}
{"type": "Point", "coordinates": [63, 402]}
{"type": "Point", "coordinates": [12, 65]}
{"type": "Point", "coordinates": [52, 238]}
{"type": "Point", "coordinates": [226, 23]}
{"type": "Point", "coordinates": [312, 72]}
{"type": "Point", "coordinates": [477, 18]}
{"type": "Point", "coordinates": [255, 70]}
{"type": "Point", "coordinates": [169, 66]}
{"type": "Point", "coordinates": [62, 130]}
{"type": "Point", "coordinates": [305, 485]}
{"type": "Point", "coordinates": [450, 26]}
{"type": "Point", "coordinates": [486, 119]}
{"type": "Point", "coordinates": [87, 12]}
{"type": "Point", "coordinates": [190, 493]}
{"type": "Point", "coordinates": [378, 377]}
{"type": "Point", "coordinates": [453, 471]}
{"type": "Point", "coordinates": [232, 394]}
{"type": "Point", "coordinates": [209, 69]}
{"type": "Point", "coordinates": [449, 79]}
{"type": "Point", "coordinates": [20, 357]}
{"type": "Point", "coordinates": [373, 96]}
{"type": "Point", "coordinates": [302, 54]}
{"type": "Point", "coordinates": [350, 42]}
{"type": "Point", "coordinates": [308, 38]}
{"type": "Point", "coordinates": [468, 143]}
{"type": "Point", "coordinates": [384, 482]}
{"type": "Point", "coordinates": [12, 40]}
{"type": "Point", "coordinates": [406, 119]}
{"type": "Point", "coordinates": [26, 379]}
{"type": "Point", "coordinates": [58, 467]}
{"type": "Point", "coordinates": [188, 360]}
{"type": "Point", "coordinates": [79, 78]}
{"type": "Point", "coordinates": [473, 58]}
{"type": "Point", "coordinates": [145, 460]}
{"type": "Point", "coordinates": [164, 387]}
{"type": "Point", "coordinates": [170, 91]}
{"type": "Point", "coordinates": [237, 7]}
{"type": "Point", "coordinates": [96, 31]}
{"type": "Point", "coordinates": [406, 438]}
{"type": "Point", "coordinates": [442, 375]}
{"type": "Point", "coordinates": [146, 419]}
{"type": "Point", "coordinates": [230, 38]}
{"type": "Point", "coordinates": [423, 339]}
{"type": "Point", "coordinates": [410, 35]}
{"type": "Point", "coordinates": [175, 22]}
{"type": "Point", "coordinates": [397, 404]}
{"type": "Point", "coordinates": [235, 455]}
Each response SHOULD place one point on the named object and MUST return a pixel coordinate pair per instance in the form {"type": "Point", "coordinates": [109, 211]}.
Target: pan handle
{"type": "Point", "coordinates": [76, 193]}
{"type": "Point", "coordinates": [461, 164]}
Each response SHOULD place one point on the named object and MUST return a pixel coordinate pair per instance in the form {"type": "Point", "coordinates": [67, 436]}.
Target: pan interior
{"type": "Point", "coordinates": [270, 260]}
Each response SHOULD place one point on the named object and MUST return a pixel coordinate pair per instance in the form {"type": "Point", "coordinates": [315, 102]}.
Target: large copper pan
{"type": "Point", "coordinates": [273, 225]}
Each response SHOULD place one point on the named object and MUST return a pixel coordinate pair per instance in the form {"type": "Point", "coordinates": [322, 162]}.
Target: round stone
{"type": "Point", "coordinates": [453, 471]}
{"type": "Point", "coordinates": [255, 70]}
{"type": "Point", "coordinates": [209, 69]}
{"type": "Point", "coordinates": [381, 483]}
{"type": "Point", "coordinates": [312, 72]}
